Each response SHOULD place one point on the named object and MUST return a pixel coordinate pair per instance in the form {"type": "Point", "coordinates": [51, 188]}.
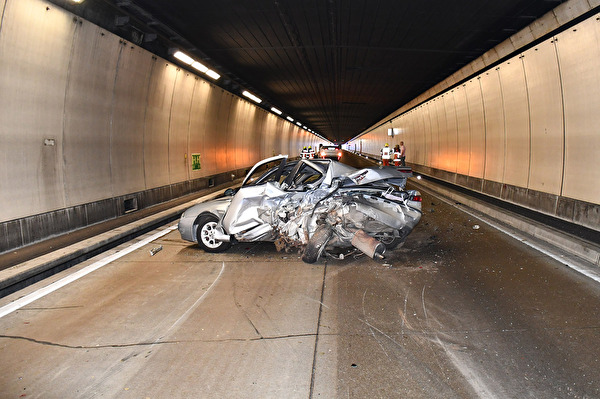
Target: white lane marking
{"type": "Point", "coordinates": [34, 296]}
{"type": "Point", "coordinates": [584, 271]}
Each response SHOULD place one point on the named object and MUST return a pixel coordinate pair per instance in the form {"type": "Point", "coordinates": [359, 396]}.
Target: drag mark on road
{"type": "Point", "coordinates": [186, 314]}
{"type": "Point", "coordinates": [42, 292]}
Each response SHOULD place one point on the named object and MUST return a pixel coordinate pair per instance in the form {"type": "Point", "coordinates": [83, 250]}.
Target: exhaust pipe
{"type": "Point", "coordinates": [368, 245]}
{"type": "Point", "coordinates": [220, 235]}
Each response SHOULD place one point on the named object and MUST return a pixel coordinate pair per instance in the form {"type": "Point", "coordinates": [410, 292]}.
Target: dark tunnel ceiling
{"type": "Point", "coordinates": [339, 66]}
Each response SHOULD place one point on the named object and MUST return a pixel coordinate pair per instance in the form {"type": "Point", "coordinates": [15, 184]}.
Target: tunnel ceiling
{"type": "Point", "coordinates": [338, 66]}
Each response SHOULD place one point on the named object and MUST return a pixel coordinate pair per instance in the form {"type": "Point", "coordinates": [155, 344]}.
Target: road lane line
{"type": "Point", "coordinates": [42, 292]}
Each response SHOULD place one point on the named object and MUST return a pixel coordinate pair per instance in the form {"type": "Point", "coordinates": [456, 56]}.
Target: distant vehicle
{"type": "Point", "coordinates": [331, 152]}
{"type": "Point", "coordinates": [321, 207]}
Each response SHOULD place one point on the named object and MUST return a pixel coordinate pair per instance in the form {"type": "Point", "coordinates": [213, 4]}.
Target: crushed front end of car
{"type": "Point", "coordinates": [337, 219]}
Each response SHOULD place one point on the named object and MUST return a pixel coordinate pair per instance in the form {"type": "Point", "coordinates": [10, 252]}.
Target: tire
{"type": "Point", "coordinates": [207, 225]}
{"type": "Point", "coordinates": [317, 244]}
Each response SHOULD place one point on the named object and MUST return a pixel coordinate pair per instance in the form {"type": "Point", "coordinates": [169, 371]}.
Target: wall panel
{"type": "Point", "coordinates": [449, 140]}
{"type": "Point", "coordinates": [516, 120]}
{"type": "Point", "coordinates": [438, 131]}
{"type": "Point", "coordinates": [463, 155]}
{"type": "Point", "coordinates": [213, 132]}
{"type": "Point", "coordinates": [127, 127]}
{"type": "Point", "coordinates": [221, 129]}
{"type": "Point", "coordinates": [32, 107]}
{"type": "Point", "coordinates": [494, 126]}
{"type": "Point", "coordinates": [477, 125]}
{"type": "Point", "coordinates": [88, 106]}
{"type": "Point", "coordinates": [546, 113]}
{"type": "Point", "coordinates": [579, 58]}
{"type": "Point", "coordinates": [196, 144]}
{"type": "Point", "coordinates": [156, 131]}
{"type": "Point", "coordinates": [179, 126]}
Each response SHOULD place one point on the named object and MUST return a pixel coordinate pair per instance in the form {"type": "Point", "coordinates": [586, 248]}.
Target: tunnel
{"type": "Point", "coordinates": [116, 111]}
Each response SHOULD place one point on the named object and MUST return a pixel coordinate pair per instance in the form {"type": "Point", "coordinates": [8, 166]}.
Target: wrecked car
{"type": "Point", "coordinates": [319, 207]}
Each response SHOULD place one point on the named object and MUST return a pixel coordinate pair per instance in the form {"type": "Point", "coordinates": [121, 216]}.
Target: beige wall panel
{"type": "Point", "coordinates": [235, 131]}
{"type": "Point", "coordinates": [546, 113]}
{"type": "Point", "coordinates": [420, 146]}
{"type": "Point", "coordinates": [156, 132]}
{"type": "Point", "coordinates": [32, 107]}
{"type": "Point", "coordinates": [268, 137]}
{"type": "Point", "coordinates": [413, 151]}
{"type": "Point", "coordinates": [438, 131]}
{"type": "Point", "coordinates": [426, 128]}
{"type": "Point", "coordinates": [463, 152]}
{"type": "Point", "coordinates": [88, 105]}
{"type": "Point", "coordinates": [257, 123]}
{"type": "Point", "coordinates": [516, 117]}
{"type": "Point", "coordinates": [196, 144]}
{"type": "Point", "coordinates": [213, 134]}
{"type": "Point", "coordinates": [579, 54]}
{"type": "Point", "coordinates": [449, 142]}
{"type": "Point", "coordinates": [477, 125]}
{"type": "Point", "coordinates": [128, 112]}
{"type": "Point", "coordinates": [219, 127]}
{"type": "Point", "coordinates": [270, 126]}
{"type": "Point", "coordinates": [234, 124]}
{"type": "Point", "coordinates": [494, 126]}
{"type": "Point", "coordinates": [179, 126]}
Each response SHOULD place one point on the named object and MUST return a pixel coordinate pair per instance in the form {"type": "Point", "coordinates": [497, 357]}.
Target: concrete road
{"type": "Point", "coordinates": [456, 312]}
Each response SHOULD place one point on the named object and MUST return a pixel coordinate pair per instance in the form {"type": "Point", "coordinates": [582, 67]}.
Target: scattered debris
{"type": "Point", "coordinates": [476, 227]}
{"type": "Point", "coordinates": [155, 250]}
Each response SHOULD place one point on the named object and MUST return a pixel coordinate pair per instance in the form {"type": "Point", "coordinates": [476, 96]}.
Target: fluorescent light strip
{"type": "Point", "coordinates": [186, 59]}
{"type": "Point", "coordinates": [183, 57]}
{"type": "Point", "coordinates": [251, 96]}
{"type": "Point", "coordinates": [213, 74]}
{"type": "Point", "coordinates": [278, 112]}
{"type": "Point", "coordinates": [199, 66]}
{"type": "Point", "coordinates": [289, 118]}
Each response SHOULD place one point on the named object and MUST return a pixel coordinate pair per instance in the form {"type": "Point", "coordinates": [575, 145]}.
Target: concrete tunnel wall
{"type": "Point", "coordinates": [93, 125]}
{"type": "Point", "coordinates": [526, 130]}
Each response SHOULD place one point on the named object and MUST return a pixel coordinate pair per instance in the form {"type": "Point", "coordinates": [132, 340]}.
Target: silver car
{"type": "Point", "coordinates": [319, 207]}
{"type": "Point", "coordinates": [330, 151]}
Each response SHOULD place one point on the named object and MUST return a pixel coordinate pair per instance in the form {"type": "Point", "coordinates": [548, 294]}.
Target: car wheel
{"type": "Point", "coordinates": [316, 244]}
{"type": "Point", "coordinates": [205, 235]}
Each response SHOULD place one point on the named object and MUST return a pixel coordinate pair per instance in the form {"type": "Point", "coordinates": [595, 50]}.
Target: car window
{"type": "Point", "coordinates": [306, 175]}
{"type": "Point", "coordinates": [269, 173]}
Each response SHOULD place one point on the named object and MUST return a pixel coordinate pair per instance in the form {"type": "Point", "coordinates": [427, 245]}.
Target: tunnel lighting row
{"type": "Point", "coordinates": [186, 59]}
{"type": "Point", "coordinates": [258, 100]}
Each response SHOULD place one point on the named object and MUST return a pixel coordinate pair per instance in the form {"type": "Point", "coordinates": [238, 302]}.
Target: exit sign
{"type": "Point", "coordinates": [196, 162]}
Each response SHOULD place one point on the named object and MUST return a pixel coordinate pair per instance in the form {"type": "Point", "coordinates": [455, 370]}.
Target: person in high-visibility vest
{"type": "Point", "coordinates": [311, 152]}
{"type": "Point", "coordinates": [396, 155]}
{"type": "Point", "coordinates": [386, 154]}
{"type": "Point", "coordinates": [304, 153]}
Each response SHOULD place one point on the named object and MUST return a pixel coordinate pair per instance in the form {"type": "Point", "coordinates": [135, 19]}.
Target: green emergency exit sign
{"type": "Point", "coordinates": [196, 162]}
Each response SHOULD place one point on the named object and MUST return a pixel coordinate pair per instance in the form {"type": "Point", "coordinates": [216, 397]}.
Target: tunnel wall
{"type": "Point", "coordinates": [94, 127]}
{"type": "Point", "coordinates": [525, 130]}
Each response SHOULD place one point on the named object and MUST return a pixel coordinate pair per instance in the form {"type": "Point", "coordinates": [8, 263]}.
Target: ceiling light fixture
{"type": "Point", "coordinates": [186, 59]}
{"type": "Point", "coordinates": [251, 96]}
{"type": "Point", "coordinates": [278, 112]}
{"type": "Point", "coordinates": [213, 74]}
{"type": "Point", "coordinates": [199, 66]}
{"type": "Point", "coordinates": [289, 118]}
{"type": "Point", "coordinates": [183, 57]}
